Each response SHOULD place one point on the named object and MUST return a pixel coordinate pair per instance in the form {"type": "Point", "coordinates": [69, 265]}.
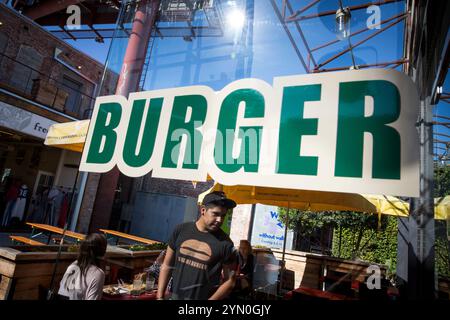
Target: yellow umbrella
{"type": "Point", "coordinates": [442, 208]}
{"type": "Point", "coordinates": [68, 135]}
{"type": "Point", "coordinates": [313, 200]}
{"type": "Point", "coordinates": [324, 201]}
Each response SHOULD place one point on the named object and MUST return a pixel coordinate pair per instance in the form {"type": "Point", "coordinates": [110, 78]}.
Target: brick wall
{"type": "Point", "coordinates": [28, 47]}
{"type": "Point", "coordinates": [176, 187]}
{"type": "Point", "coordinates": [22, 31]}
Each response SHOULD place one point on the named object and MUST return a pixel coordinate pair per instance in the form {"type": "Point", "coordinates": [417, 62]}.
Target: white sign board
{"type": "Point", "coordinates": [350, 131]}
{"type": "Point", "coordinates": [24, 121]}
{"type": "Point", "coordinates": [267, 229]}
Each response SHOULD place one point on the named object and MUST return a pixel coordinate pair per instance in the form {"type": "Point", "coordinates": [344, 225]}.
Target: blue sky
{"type": "Point", "coordinates": [214, 58]}
{"type": "Point", "coordinates": [216, 61]}
{"type": "Point", "coordinates": [98, 51]}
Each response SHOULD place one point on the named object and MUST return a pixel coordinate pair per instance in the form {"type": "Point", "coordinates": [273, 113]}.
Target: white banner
{"type": "Point", "coordinates": [24, 121]}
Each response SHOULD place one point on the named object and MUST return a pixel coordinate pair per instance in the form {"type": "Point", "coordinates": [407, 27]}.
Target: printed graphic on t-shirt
{"type": "Point", "coordinates": [195, 253]}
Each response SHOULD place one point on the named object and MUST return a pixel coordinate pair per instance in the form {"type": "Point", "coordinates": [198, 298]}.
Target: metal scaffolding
{"type": "Point", "coordinates": [98, 18]}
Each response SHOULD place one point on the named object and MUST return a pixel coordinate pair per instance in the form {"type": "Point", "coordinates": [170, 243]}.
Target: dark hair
{"type": "Point", "coordinates": [246, 242]}
{"type": "Point", "coordinates": [92, 248]}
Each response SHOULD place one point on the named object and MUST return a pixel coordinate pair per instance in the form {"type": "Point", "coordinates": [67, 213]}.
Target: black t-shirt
{"type": "Point", "coordinates": [199, 257]}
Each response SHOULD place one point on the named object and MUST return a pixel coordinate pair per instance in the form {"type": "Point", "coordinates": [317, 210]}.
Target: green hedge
{"type": "Point", "coordinates": [380, 246]}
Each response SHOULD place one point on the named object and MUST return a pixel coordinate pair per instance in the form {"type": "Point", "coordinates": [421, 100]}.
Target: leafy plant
{"type": "Point", "coordinates": [73, 248]}
{"type": "Point", "coordinates": [306, 223]}
{"type": "Point", "coordinates": [441, 181]}
{"type": "Point", "coordinates": [143, 247]}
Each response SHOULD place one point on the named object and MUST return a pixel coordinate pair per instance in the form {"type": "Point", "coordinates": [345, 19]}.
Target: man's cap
{"type": "Point", "coordinates": [218, 198]}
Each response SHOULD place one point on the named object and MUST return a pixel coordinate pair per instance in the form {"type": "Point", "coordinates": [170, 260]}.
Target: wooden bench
{"type": "Point", "coordinates": [305, 293]}
{"type": "Point", "coordinates": [26, 241]}
{"type": "Point", "coordinates": [118, 235]}
{"type": "Point", "coordinates": [54, 230]}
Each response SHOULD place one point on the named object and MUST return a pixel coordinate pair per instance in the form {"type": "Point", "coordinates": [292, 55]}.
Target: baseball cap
{"type": "Point", "coordinates": [219, 198]}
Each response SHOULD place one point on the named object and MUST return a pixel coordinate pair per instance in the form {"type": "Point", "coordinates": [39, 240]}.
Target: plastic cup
{"type": "Point", "coordinates": [137, 286]}
{"type": "Point", "coordinates": [149, 283]}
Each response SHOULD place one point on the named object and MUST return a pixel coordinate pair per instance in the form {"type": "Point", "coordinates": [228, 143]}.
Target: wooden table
{"type": "Point", "coordinates": [315, 294]}
{"type": "Point", "coordinates": [118, 235]}
{"type": "Point", "coordinates": [50, 230]}
{"type": "Point", "coordinates": [143, 296]}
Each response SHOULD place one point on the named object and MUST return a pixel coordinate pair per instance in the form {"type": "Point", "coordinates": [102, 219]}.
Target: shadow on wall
{"type": "Point", "coordinates": [155, 215]}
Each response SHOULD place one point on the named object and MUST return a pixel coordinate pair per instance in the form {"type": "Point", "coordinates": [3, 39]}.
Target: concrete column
{"type": "Point", "coordinates": [240, 223]}
{"type": "Point", "coordinates": [62, 158]}
{"type": "Point", "coordinates": [416, 234]}
{"type": "Point", "coordinates": [130, 74]}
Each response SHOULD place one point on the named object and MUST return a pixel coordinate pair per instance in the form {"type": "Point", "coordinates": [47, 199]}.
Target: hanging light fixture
{"type": "Point", "coordinates": [343, 17]}
{"type": "Point", "coordinates": [343, 22]}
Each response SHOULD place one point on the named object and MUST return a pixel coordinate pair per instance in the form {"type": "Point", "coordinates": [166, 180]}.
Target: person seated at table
{"type": "Point", "coordinates": [84, 278]}
{"type": "Point", "coordinates": [155, 268]}
{"type": "Point", "coordinates": [244, 282]}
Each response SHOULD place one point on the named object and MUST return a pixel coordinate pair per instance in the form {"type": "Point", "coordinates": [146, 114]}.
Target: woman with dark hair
{"type": "Point", "coordinates": [244, 284]}
{"type": "Point", "coordinates": [246, 265]}
{"type": "Point", "coordinates": [84, 279]}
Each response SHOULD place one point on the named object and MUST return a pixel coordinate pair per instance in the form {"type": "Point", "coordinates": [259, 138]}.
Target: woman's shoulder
{"type": "Point", "coordinates": [73, 266]}
{"type": "Point", "coordinates": [96, 271]}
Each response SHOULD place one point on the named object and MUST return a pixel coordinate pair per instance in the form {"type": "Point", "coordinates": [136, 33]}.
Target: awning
{"type": "Point", "coordinates": [313, 200]}
{"type": "Point", "coordinates": [68, 135]}
{"type": "Point", "coordinates": [323, 201]}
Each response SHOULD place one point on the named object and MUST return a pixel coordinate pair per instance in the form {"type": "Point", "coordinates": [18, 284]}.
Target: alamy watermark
{"type": "Point", "coordinates": [74, 19]}
{"type": "Point", "coordinates": [374, 280]}
{"type": "Point", "coordinates": [374, 20]}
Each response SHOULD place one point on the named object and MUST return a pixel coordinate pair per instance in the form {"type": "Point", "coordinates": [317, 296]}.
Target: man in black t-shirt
{"type": "Point", "coordinates": [197, 254]}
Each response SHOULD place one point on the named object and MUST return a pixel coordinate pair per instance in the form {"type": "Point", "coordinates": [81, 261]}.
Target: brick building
{"type": "Point", "coordinates": [43, 81]}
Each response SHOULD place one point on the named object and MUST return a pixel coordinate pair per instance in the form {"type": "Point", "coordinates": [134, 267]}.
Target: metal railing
{"type": "Point", "coordinates": [39, 87]}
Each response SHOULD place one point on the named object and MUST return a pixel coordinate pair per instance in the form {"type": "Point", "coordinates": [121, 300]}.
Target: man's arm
{"type": "Point", "coordinates": [165, 273]}
{"type": "Point", "coordinates": [225, 288]}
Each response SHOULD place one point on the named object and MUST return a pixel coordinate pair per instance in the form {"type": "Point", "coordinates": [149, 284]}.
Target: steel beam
{"type": "Point", "coordinates": [352, 8]}
{"type": "Point", "coordinates": [294, 15]}
{"type": "Point", "coordinates": [442, 117]}
{"type": "Point", "coordinates": [48, 7]}
{"type": "Point", "coordinates": [441, 134]}
{"type": "Point", "coordinates": [379, 64]}
{"type": "Point", "coordinates": [291, 39]}
{"type": "Point", "coordinates": [360, 42]}
{"type": "Point", "coordinates": [299, 29]}
{"type": "Point", "coordinates": [401, 15]}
